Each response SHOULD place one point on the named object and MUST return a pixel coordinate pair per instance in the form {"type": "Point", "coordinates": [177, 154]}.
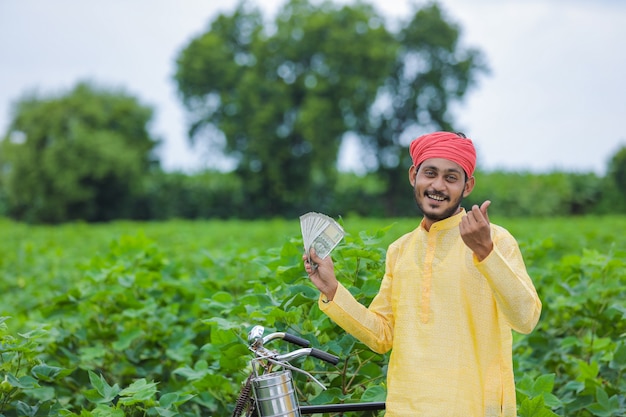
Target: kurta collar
{"type": "Point", "coordinates": [446, 224]}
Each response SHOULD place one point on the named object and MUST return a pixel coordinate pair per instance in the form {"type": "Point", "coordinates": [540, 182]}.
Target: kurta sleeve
{"type": "Point", "coordinates": [513, 289]}
{"type": "Point", "coordinates": [372, 325]}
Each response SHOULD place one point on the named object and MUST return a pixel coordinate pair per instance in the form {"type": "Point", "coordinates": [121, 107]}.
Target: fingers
{"type": "Point", "coordinates": [321, 273]}
{"type": "Point", "coordinates": [479, 214]}
{"type": "Point", "coordinates": [475, 230]}
{"type": "Point", "coordinates": [474, 215]}
{"type": "Point", "coordinates": [311, 261]}
{"type": "Point", "coordinates": [483, 209]}
{"type": "Point", "coordinates": [309, 265]}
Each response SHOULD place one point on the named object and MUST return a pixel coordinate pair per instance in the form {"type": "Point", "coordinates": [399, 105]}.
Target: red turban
{"type": "Point", "coordinates": [445, 145]}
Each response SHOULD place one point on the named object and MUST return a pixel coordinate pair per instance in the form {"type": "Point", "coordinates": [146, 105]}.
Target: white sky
{"type": "Point", "coordinates": [555, 98]}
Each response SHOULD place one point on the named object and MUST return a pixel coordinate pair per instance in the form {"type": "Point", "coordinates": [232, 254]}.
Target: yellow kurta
{"type": "Point", "coordinates": [447, 319]}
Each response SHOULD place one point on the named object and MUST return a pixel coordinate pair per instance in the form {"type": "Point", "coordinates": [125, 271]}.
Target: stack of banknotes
{"type": "Point", "coordinates": [320, 232]}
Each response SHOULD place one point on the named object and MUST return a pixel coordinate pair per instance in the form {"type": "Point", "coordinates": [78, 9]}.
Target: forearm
{"type": "Point", "coordinates": [513, 289]}
{"type": "Point", "coordinates": [366, 324]}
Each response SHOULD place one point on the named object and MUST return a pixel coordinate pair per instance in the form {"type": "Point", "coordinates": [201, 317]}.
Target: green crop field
{"type": "Point", "coordinates": [149, 319]}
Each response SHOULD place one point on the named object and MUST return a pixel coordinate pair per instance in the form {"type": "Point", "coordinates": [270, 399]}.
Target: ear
{"type": "Point", "coordinates": [469, 186]}
{"type": "Point", "coordinates": [412, 174]}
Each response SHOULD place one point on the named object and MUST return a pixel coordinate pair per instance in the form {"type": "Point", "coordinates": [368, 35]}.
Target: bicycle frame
{"type": "Point", "coordinates": [269, 393]}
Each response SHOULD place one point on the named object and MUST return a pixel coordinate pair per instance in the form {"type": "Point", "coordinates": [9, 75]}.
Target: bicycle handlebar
{"type": "Point", "coordinates": [316, 353]}
{"type": "Point", "coordinates": [257, 342]}
{"type": "Point", "coordinates": [263, 364]}
{"type": "Point", "coordinates": [296, 340]}
{"type": "Point", "coordinates": [325, 356]}
{"type": "Point", "coordinates": [307, 410]}
{"type": "Point", "coordinates": [255, 337]}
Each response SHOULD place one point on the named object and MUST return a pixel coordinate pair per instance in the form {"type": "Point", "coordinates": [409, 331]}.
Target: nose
{"type": "Point", "coordinates": [438, 183]}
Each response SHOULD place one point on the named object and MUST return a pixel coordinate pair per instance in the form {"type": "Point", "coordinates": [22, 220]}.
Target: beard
{"type": "Point", "coordinates": [431, 215]}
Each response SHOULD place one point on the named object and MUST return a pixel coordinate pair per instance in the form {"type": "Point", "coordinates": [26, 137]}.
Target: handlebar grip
{"type": "Point", "coordinates": [325, 356]}
{"type": "Point", "coordinates": [296, 340]}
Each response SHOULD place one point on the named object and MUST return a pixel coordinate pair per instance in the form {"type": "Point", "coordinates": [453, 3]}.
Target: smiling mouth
{"type": "Point", "coordinates": [436, 197]}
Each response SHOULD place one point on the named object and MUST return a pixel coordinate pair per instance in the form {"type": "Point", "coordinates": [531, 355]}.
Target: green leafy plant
{"type": "Point", "coordinates": [151, 318]}
{"type": "Point", "coordinates": [25, 387]}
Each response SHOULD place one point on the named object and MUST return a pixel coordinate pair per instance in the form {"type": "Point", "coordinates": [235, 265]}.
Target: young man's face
{"type": "Point", "coordinates": [439, 186]}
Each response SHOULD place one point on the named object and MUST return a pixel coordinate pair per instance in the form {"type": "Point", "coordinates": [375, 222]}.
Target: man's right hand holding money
{"type": "Point", "coordinates": [323, 277]}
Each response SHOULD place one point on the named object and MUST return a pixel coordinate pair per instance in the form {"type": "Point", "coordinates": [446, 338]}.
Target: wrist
{"type": "Point", "coordinates": [330, 291]}
{"type": "Point", "coordinates": [484, 253]}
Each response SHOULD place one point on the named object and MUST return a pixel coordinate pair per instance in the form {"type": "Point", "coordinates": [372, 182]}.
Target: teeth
{"type": "Point", "coordinates": [436, 197]}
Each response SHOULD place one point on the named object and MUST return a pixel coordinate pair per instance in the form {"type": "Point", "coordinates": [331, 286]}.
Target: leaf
{"type": "Point", "coordinates": [619, 357]}
{"type": "Point", "coordinates": [570, 341]}
{"type": "Point", "coordinates": [48, 373]}
{"type": "Point", "coordinates": [543, 384]}
{"type": "Point", "coordinates": [126, 338]}
{"type": "Point", "coordinates": [164, 412]}
{"type": "Point", "coordinates": [621, 308]}
{"type": "Point", "coordinates": [93, 353]}
{"type": "Point", "coordinates": [535, 407]}
{"type": "Point", "coordinates": [552, 400]}
{"type": "Point", "coordinates": [106, 392]}
{"type": "Point", "coordinates": [181, 353]}
{"type": "Point", "coordinates": [199, 371]}
{"type": "Point", "coordinates": [23, 382]}
{"type": "Point", "coordinates": [299, 299]}
{"type": "Point", "coordinates": [26, 410]}
{"type": "Point", "coordinates": [374, 394]}
{"type": "Point", "coordinates": [138, 391]}
{"type": "Point", "coordinates": [106, 411]}
{"type": "Point", "coordinates": [329, 396]}
{"type": "Point", "coordinates": [602, 397]}
{"type": "Point", "coordinates": [33, 334]}
{"type": "Point", "coordinates": [174, 399]}
{"type": "Point", "coordinates": [222, 297]}
{"type": "Point", "coordinates": [587, 371]}
{"type": "Point", "coordinates": [222, 324]}
{"type": "Point", "coordinates": [605, 406]}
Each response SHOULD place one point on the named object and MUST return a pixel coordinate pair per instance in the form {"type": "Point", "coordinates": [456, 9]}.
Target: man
{"type": "Point", "coordinates": [452, 291]}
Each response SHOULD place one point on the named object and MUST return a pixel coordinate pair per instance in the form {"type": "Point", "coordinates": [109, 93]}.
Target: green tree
{"type": "Point", "coordinates": [80, 155]}
{"type": "Point", "coordinates": [281, 101]}
{"type": "Point", "coordinates": [617, 169]}
{"type": "Point", "coordinates": [432, 71]}
{"type": "Point", "coordinates": [616, 182]}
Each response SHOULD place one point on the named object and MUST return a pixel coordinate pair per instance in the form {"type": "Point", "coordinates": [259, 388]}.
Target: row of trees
{"type": "Point", "coordinates": [278, 100]}
{"type": "Point", "coordinates": [165, 195]}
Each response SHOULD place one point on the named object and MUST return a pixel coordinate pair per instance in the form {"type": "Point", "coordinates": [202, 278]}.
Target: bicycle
{"type": "Point", "coordinates": [270, 393]}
